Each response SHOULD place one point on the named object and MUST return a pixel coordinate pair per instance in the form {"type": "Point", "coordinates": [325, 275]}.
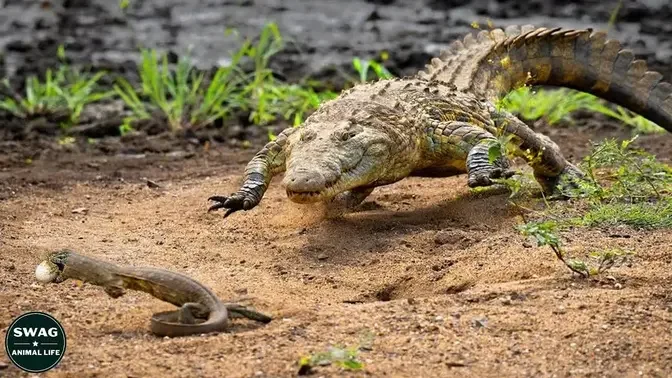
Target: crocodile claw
{"type": "Point", "coordinates": [233, 203]}
{"type": "Point", "coordinates": [484, 178]}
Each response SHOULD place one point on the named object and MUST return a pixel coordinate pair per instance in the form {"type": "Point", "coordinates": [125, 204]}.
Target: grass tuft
{"type": "Point", "coordinates": [558, 105]}
{"type": "Point", "coordinates": [644, 215]}
{"type": "Point", "coordinates": [180, 93]}
{"type": "Point", "coordinates": [623, 186]}
{"type": "Point", "coordinates": [65, 90]}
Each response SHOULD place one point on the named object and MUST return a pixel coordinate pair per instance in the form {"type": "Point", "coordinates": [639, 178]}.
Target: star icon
{"type": "Point", "coordinates": [35, 343]}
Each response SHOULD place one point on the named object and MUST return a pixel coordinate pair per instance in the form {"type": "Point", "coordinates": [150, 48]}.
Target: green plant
{"type": "Point", "coordinates": [558, 105]}
{"type": "Point", "coordinates": [606, 259]}
{"type": "Point", "coordinates": [346, 358]}
{"type": "Point", "coordinates": [625, 173]}
{"type": "Point", "coordinates": [365, 66]}
{"type": "Point", "coordinates": [181, 93]}
{"type": "Point", "coordinates": [545, 235]}
{"type": "Point", "coordinates": [271, 98]}
{"type": "Point", "coordinates": [189, 99]}
{"type": "Point", "coordinates": [643, 215]}
{"type": "Point", "coordinates": [623, 185]}
{"type": "Point", "coordinates": [65, 90]}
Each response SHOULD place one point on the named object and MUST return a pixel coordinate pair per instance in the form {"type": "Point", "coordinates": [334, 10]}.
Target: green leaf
{"type": "Point", "coordinates": [60, 53]}
{"type": "Point", "coordinates": [351, 364]}
{"type": "Point", "coordinates": [494, 152]}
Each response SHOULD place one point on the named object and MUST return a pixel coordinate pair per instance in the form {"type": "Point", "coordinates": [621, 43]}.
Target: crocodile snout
{"type": "Point", "coordinates": [303, 181]}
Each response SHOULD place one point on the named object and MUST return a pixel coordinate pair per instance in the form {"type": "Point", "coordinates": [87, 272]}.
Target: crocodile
{"type": "Point", "coordinates": [444, 120]}
{"type": "Point", "coordinates": [200, 310]}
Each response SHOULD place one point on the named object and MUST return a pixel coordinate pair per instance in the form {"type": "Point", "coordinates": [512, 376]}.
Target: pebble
{"type": "Point", "coordinates": [322, 256]}
{"type": "Point", "coordinates": [446, 237]}
{"type": "Point", "coordinates": [560, 310]}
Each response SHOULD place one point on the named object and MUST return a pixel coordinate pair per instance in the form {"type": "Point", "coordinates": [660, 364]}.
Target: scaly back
{"type": "Point", "coordinates": [498, 61]}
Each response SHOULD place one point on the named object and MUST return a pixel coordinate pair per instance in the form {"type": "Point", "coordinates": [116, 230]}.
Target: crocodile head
{"type": "Point", "coordinates": [326, 159]}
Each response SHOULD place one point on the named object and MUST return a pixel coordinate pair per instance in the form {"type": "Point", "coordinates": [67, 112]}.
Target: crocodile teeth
{"type": "Point", "coordinates": [304, 197]}
{"type": "Point", "coordinates": [45, 273]}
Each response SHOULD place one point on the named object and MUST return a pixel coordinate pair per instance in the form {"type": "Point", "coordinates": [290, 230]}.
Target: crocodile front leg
{"type": "Point", "coordinates": [461, 141]}
{"type": "Point", "coordinates": [268, 162]}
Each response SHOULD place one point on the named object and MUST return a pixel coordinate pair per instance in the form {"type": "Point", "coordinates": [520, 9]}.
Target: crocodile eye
{"type": "Point", "coordinates": [347, 135]}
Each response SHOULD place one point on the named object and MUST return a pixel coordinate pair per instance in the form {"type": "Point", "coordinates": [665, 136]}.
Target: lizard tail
{"type": "Point", "coordinates": [167, 323]}
{"type": "Point", "coordinates": [498, 61]}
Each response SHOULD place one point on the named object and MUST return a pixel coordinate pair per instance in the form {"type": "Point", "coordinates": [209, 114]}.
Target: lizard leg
{"type": "Point", "coordinates": [268, 162]}
{"type": "Point", "coordinates": [551, 170]}
{"type": "Point", "coordinates": [461, 141]}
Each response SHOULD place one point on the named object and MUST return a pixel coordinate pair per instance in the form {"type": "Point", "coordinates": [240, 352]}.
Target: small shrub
{"type": "Point", "coordinates": [346, 358]}
{"type": "Point", "coordinates": [64, 90]}
{"type": "Point", "coordinates": [181, 94]}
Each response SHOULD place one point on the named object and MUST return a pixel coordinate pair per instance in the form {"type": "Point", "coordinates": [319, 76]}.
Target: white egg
{"type": "Point", "coordinates": [45, 273]}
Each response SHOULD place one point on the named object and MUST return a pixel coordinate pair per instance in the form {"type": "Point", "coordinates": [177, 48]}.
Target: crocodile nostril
{"type": "Point", "coordinates": [305, 182]}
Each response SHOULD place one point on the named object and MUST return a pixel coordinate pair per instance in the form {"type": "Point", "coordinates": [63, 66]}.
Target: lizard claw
{"type": "Point", "coordinates": [235, 202]}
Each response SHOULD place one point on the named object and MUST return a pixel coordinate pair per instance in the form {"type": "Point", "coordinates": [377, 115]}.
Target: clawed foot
{"type": "Point", "coordinates": [562, 186]}
{"type": "Point", "coordinates": [484, 177]}
{"type": "Point", "coordinates": [235, 202]}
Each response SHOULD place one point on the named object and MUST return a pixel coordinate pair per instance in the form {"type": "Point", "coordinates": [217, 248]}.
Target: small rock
{"type": "Point", "coordinates": [446, 237]}
{"type": "Point", "coordinates": [618, 286]}
{"type": "Point", "coordinates": [527, 245]}
{"type": "Point", "coordinates": [322, 256]}
{"type": "Point", "coordinates": [439, 318]}
{"type": "Point", "coordinates": [479, 322]}
{"type": "Point", "coordinates": [560, 310]}
{"type": "Point", "coordinates": [605, 326]}
{"type": "Point", "coordinates": [506, 301]}
{"type": "Point", "coordinates": [3, 365]}
{"type": "Point", "coordinates": [80, 210]}
{"type": "Point", "coordinates": [180, 154]}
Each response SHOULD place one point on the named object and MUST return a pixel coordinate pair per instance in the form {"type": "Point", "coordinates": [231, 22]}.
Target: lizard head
{"type": "Point", "coordinates": [326, 159]}
{"type": "Point", "coordinates": [50, 269]}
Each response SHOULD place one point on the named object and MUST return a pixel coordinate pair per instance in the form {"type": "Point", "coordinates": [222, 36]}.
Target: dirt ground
{"type": "Point", "coordinates": [434, 279]}
{"type": "Point", "coordinates": [433, 276]}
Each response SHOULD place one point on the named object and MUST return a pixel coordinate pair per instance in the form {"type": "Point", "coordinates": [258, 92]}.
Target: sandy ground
{"type": "Point", "coordinates": [434, 278]}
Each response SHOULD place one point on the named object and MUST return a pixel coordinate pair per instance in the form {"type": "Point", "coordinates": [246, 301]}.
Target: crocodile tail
{"type": "Point", "coordinates": [498, 61]}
